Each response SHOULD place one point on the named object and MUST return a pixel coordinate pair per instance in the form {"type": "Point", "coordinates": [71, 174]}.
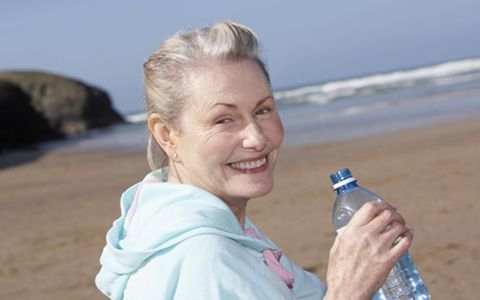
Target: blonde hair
{"type": "Point", "coordinates": [166, 70]}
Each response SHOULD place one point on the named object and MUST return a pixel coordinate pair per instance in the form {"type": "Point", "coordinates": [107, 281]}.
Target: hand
{"type": "Point", "coordinates": [364, 253]}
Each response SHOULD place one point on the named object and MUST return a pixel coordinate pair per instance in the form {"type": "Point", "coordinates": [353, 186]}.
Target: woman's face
{"type": "Point", "coordinates": [230, 132]}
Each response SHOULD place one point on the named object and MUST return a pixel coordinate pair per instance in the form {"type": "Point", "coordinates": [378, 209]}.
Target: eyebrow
{"type": "Point", "coordinates": [231, 105]}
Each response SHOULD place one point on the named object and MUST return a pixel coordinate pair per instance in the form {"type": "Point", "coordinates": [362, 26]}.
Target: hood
{"type": "Point", "coordinates": [157, 215]}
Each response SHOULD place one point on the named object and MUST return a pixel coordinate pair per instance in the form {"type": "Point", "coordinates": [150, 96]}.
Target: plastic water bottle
{"type": "Point", "coordinates": [403, 281]}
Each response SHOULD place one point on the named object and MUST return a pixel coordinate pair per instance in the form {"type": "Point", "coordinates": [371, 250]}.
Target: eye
{"type": "Point", "coordinates": [263, 111]}
{"type": "Point", "coordinates": [223, 121]}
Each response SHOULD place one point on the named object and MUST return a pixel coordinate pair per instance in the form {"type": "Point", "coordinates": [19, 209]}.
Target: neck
{"type": "Point", "coordinates": [173, 176]}
{"type": "Point", "coordinates": [237, 206]}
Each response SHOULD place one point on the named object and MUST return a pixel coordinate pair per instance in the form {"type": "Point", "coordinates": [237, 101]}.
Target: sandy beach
{"type": "Point", "coordinates": [57, 206]}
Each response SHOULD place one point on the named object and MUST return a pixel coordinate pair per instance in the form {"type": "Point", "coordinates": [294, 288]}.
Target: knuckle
{"type": "Point", "coordinates": [370, 205]}
{"type": "Point", "coordinates": [387, 214]}
{"type": "Point", "coordinates": [397, 229]}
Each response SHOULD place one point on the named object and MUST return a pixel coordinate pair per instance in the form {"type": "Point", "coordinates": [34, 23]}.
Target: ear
{"type": "Point", "coordinates": [162, 133]}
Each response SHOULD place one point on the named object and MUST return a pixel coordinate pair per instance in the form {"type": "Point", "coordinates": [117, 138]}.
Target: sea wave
{"type": "Point", "coordinates": [136, 118]}
{"type": "Point", "coordinates": [453, 72]}
{"type": "Point", "coordinates": [448, 72]}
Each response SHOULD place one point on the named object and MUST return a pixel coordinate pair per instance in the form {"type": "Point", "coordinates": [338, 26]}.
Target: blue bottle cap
{"type": "Point", "coordinates": [340, 175]}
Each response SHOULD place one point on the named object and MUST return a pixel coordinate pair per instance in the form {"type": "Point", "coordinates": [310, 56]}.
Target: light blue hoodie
{"type": "Point", "coordinates": [176, 241]}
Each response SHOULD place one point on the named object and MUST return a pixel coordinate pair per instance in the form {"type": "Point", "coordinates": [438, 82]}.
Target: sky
{"type": "Point", "coordinates": [105, 42]}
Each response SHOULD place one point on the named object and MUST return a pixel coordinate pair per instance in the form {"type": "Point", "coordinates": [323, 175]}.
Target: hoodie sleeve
{"type": "Point", "coordinates": [206, 267]}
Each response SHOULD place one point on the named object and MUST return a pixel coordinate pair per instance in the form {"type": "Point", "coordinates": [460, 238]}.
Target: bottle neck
{"type": "Point", "coordinates": [346, 187]}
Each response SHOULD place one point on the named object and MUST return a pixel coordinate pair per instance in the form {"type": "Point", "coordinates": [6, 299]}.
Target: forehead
{"type": "Point", "coordinates": [237, 83]}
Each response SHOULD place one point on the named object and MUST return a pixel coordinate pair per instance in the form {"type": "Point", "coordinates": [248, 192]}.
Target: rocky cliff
{"type": "Point", "coordinates": [38, 106]}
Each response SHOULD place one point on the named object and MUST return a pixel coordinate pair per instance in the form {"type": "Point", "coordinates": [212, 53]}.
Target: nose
{"type": "Point", "coordinates": [254, 137]}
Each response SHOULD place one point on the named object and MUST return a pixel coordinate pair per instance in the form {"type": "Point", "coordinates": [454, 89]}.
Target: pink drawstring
{"type": "Point", "coordinates": [133, 206]}
{"type": "Point", "coordinates": [276, 267]}
{"type": "Point", "coordinates": [273, 261]}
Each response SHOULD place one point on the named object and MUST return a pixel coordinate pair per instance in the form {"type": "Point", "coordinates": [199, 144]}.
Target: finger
{"type": "Point", "coordinates": [394, 234]}
{"type": "Point", "coordinates": [368, 211]}
{"type": "Point", "coordinates": [403, 244]}
{"type": "Point", "coordinates": [384, 220]}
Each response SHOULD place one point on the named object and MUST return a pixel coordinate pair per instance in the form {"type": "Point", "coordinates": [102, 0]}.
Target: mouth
{"type": "Point", "coordinates": [250, 166]}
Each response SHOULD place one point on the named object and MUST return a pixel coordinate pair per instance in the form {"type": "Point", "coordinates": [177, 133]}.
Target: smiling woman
{"type": "Point", "coordinates": [228, 148]}
{"type": "Point", "coordinates": [215, 138]}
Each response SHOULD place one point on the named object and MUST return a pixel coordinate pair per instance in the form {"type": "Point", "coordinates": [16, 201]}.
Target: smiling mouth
{"type": "Point", "coordinates": [248, 165]}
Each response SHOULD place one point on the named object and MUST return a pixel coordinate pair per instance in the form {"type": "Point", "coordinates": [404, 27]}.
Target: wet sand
{"type": "Point", "coordinates": [57, 206]}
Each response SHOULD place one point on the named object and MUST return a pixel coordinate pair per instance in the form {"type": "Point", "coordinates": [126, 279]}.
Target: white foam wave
{"type": "Point", "coordinates": [370, 84]}
{"type": "Point", "coordinates": [136, 118]}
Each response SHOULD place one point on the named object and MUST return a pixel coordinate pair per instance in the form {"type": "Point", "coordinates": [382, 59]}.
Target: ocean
{"type": "Point", "coordinates": [340, 109]}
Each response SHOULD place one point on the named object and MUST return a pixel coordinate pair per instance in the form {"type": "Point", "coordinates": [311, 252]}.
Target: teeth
{"type": "Point", "coordinates": [249, 165]}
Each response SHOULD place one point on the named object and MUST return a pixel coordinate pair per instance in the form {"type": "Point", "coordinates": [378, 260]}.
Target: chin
{"type": "Point", "coordinates": [256, 190]}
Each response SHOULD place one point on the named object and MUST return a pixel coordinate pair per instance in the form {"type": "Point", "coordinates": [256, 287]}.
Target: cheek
{"type": "Point", "coordinates": [275, 131]}
{"type": "Point", "coordinates": [200, 141]}
{"type": "Point", "coordinates": [217, 147]}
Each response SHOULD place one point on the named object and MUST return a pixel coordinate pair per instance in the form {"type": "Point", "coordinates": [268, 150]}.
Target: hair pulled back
{"type": "Point", "coordinates": [166, 70]}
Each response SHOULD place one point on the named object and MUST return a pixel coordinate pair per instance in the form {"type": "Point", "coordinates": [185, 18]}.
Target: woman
{"type": "Point", "coordinates": [215, 137]}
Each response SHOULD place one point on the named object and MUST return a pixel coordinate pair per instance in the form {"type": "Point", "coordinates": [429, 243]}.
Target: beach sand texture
{"type": "Point", "coordinates": [56, 208]}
